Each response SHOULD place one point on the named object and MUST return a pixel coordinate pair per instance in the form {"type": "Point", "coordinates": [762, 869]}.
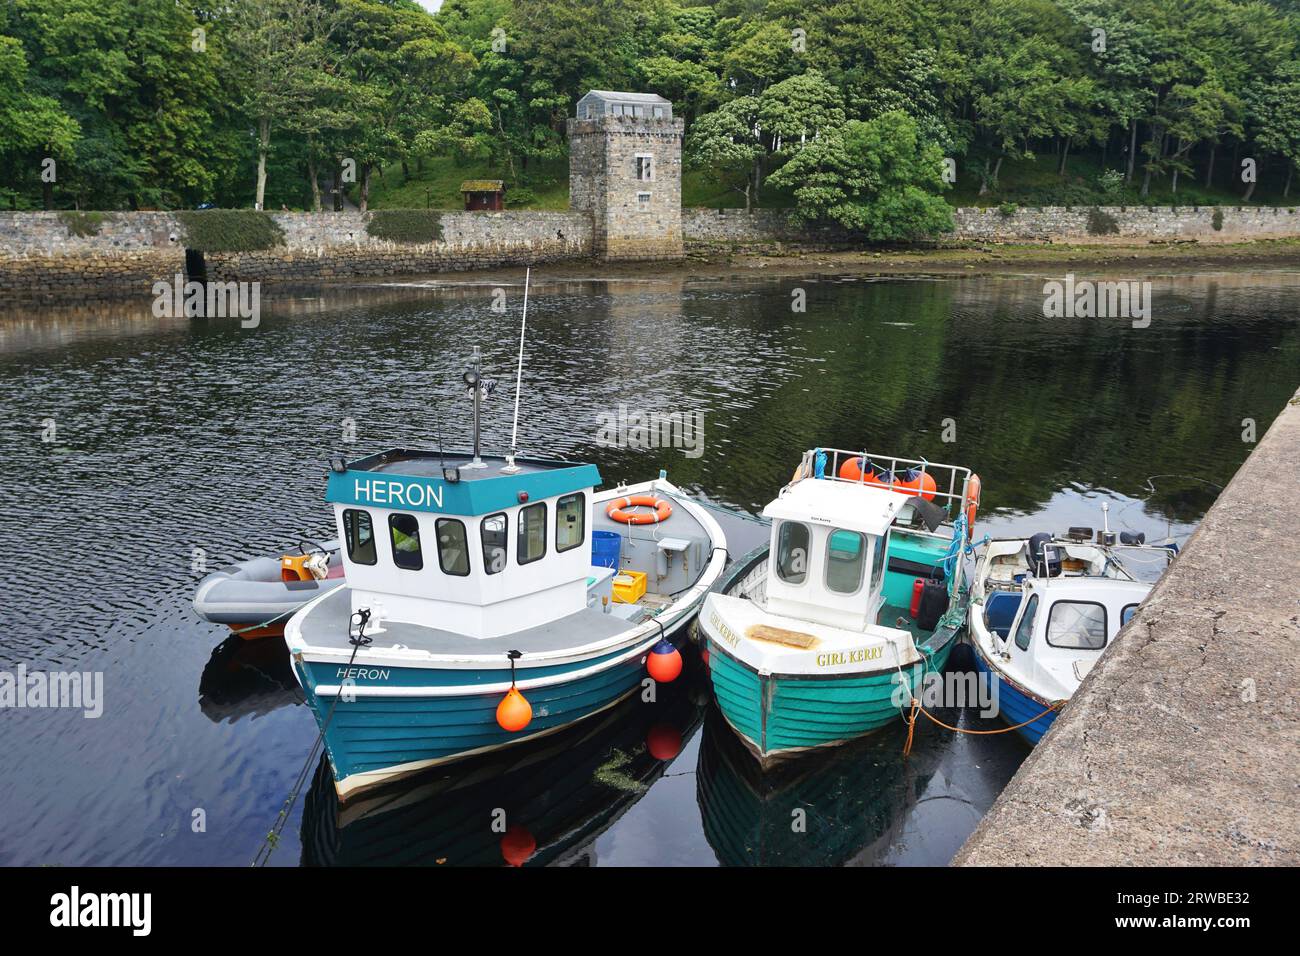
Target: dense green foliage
{"type": "Point", "coordinates": [405, 225]}
{"type": "Point", "coordinates": [837, 107]}
{"type": "Point", "coordinates": [229, 230]}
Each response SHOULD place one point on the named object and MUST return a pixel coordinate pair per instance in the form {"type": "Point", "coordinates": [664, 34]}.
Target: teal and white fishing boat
{"type": "Point", "coordinates": [476, 613]}
{"type": "Point", "coordinates": [859, 592]}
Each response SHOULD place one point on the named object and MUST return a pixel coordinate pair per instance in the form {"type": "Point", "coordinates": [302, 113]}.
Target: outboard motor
{"type": "Point", "coordinates": [1044, 560]}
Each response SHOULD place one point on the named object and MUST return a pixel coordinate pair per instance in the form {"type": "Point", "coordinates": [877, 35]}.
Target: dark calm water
{"type": "Point", "coordinates": [176, 440]}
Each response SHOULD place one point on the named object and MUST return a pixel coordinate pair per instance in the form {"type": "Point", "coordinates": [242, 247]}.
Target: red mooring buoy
{"type": "Point", "coordinates": [664, 662]}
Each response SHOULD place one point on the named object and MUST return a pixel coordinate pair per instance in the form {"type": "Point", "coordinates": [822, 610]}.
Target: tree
{"type": "Point", "coordinates": [400, 68]}
{"type": "Point", "coordinates": [275, 49]}
{"type": "Point", "coordinates": [728, 138]}
{"type": "Point", "coordinates": [880, 177]}
{"type": "Point", "coordinates": [35, 127]}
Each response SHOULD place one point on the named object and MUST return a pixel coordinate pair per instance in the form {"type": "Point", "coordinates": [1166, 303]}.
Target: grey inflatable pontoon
{"type": "Point", "coordinates": [251, 594]}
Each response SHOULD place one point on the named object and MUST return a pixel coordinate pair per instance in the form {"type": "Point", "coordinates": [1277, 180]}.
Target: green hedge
{"type": "Point", "coordinates": [229, 230]}
{"type": "Point", "coordinates": [405, 225]}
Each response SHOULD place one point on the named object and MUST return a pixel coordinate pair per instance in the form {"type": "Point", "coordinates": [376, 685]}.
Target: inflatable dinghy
{"type": "Point", "coordinates": [255, 598]}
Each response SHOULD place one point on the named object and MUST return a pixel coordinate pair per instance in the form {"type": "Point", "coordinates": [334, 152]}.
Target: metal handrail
{"type": "Point", "coordinates": [837, 456]}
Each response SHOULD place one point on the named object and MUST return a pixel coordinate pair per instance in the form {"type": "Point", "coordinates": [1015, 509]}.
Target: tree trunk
{"type": "Point", "coordinates": [314, 179]}
{"type": "Point", "coordinates": [406, 171]}
{"type": "Point", "coordinates": [263, 147]}
{"type": "Point", "coordinates": [758, 177]}
{"type": "Point", "coordinates": [1290, 168]}
{"type": "Point", "coordinates": [1158, 140]}
{"type": "Point", "coordinates": [365, 187]}
{"type": "Point", "coordinates": [1209, 167]}
{"type": "Point", "coordinates": [1132, 150]}
{"type": "Point", "coordinates": [47, 195]}
{"type": "Point", "coordinates": [1065, 152]}
{"type": "Point", "coordinates": [997, 168]}
{"type": "Point", "coordinates": [338, 185]}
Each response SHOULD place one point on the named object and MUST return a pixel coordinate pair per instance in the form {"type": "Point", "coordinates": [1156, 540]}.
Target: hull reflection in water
{"type": "Point", "coordinates": [247, 679]}
{"type": "Point", "coordinates": [854, 800]}
{"type": "Point", "coordinates": [557, 795]}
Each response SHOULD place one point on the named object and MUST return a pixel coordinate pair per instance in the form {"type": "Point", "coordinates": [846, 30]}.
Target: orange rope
{"type": "Point", "coordinates": [911, 726]}
{"type": "Point", "coordinates": [916, 705]}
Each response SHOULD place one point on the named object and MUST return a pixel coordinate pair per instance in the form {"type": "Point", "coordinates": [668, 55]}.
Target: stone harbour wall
{"type": "Point", "coordinates": [44, 259]}
{"type": "Point", "coordinates": [59, 257]}
{"type": "Point", "coordinates": [1095, 223]}
{"type": "Point", "coordinates": [1075, 224]}
{"type": "Point", "coordinates": [703, 228]}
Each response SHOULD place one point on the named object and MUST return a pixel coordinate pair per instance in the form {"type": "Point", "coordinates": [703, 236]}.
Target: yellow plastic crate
{"type": "Point", "coordinates": [629, 586]}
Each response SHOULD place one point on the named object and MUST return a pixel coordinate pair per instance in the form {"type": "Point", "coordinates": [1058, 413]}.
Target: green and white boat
{"type": "Point", "coordinates": [865, 596]}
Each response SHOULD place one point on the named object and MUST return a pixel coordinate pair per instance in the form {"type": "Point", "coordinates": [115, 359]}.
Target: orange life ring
{"type": "Point", "coordinates": [662, 509]}
{"type": "Point", "coordinates": [973, 489]}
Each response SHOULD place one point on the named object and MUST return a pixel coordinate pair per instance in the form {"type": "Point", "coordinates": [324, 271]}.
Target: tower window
{"type": "Point", "coordinates": [643, 202]}
{"type": "Point", "coordinates": [645, 167]}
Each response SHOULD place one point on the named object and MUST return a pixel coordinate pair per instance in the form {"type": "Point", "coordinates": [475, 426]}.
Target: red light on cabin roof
{"type": "Point", "coordinates": [523, 496]}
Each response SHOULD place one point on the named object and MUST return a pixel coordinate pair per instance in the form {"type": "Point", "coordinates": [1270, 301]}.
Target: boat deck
{"type": "Point", "coordinates": [326, 626]}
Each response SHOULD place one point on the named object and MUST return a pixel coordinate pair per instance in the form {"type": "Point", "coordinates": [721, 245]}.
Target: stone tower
{"type": "Point", "coordinates": [625, 169]}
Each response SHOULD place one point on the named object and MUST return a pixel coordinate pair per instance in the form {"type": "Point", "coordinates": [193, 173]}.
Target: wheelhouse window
{"type": "Point", "coordinates": [878, 561]}
{"type": "Point", "coordinates": [493, 533]}
{"type": "Point", "coordinates": [404, 530]}
{"type": "Point", "coordinates": [570, 518]}
{"type": "Point", "coordinates": [1025, 629]}
{"type": "Point", "coordinates": [453, 547]}
{"type": "Point", "coordinates": [792, 543]}
{"type": "Point", "coordinates": [359, 533]}
{"type": "Point", "coordinates": [1077, 625]}
{"type": "Point", "coordinates": [846, 558]}
{"type": "Point", "coordinates": [530, 534]}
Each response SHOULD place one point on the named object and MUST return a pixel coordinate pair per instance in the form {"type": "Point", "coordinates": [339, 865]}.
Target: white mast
{"type": "Point", "coordinates": [510, 465]}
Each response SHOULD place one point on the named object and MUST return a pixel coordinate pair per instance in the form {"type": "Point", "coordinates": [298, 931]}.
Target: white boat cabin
{"type": "Point", "coordinates": [468, 545]}
{"type": "Point", "coordinates": [1050, 619]}
{"type": "Point", "coordinates": [829, 541]}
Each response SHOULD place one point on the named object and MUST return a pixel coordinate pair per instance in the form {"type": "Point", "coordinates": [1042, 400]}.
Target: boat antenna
{"type": "Point", "coordinates": [510, 465]}
{"type": "Point", "coordinates": [437, 428]}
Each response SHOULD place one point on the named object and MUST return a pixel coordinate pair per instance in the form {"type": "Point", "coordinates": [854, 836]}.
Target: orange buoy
{"type": "Point", "coordinates": [973, 488]}
{"type": "Point", "coordinates": [514, 712]}
{"type": "Point", "coordinates": [518, 845]}
{"type": "Point", "coordinates": [663, 742]}
{"type": "Point", "coordinates": [664, 662]}
{"type": "Point", "coordinates": [910, 482]}
{"type": "Point", "coordinates": [662, 510]}
{"type": "Point", "coordinates": [851, 470]}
